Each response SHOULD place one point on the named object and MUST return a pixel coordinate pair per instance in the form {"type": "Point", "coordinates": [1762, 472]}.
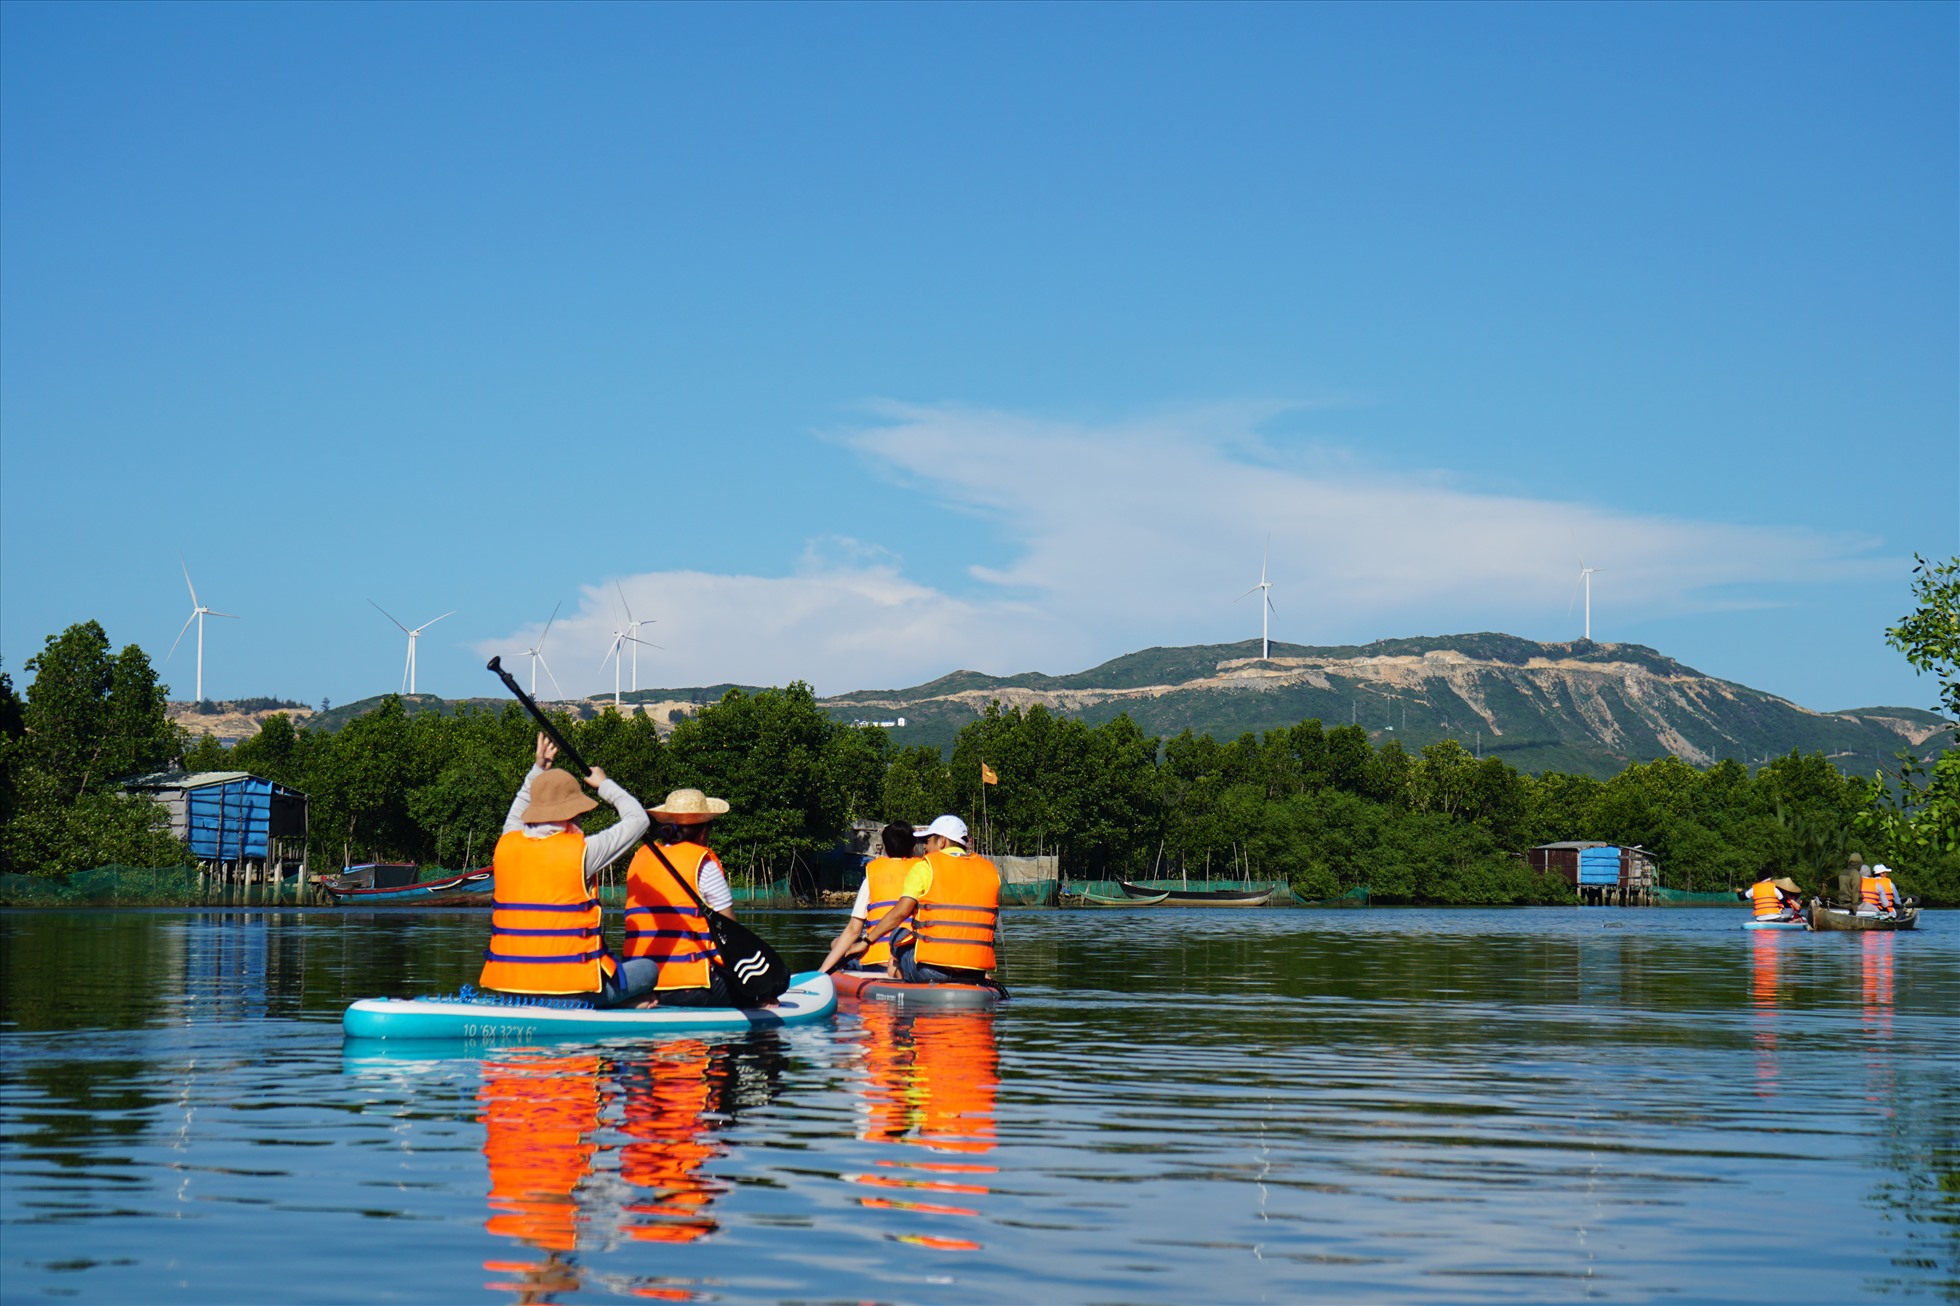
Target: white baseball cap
{"type": "Point", "coordinates": [948, 827]}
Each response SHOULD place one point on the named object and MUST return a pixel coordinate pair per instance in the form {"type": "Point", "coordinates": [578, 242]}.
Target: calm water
{"type": "Point", "coordinates": [1176, 1106]}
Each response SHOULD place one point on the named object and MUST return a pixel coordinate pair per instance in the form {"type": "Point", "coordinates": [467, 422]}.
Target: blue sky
{"type": "Point", "coordinates": [862, 343]}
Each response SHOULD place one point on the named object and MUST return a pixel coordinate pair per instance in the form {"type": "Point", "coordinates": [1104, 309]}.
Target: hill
{"type": "Point", "coordinates": [1581, 707]}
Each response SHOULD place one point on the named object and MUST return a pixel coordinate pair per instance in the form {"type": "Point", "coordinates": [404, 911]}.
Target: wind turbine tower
{"type": "Point", "coordinates": [1584, 582]}
{"type": "Point", "coordinates": [1264, 590]}
{"type": "Point", "coordinates": [198, 613]}
{"type": "Point", "coordinates": [408, 668]}
{"type": "Point", "coordinates": [536, 654]}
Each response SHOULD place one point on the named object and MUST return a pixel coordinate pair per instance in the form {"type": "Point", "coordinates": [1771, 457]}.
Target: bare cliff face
{"type": "Point", "coordinates": [228, 722]}
{"type": "Point", "coordinates": [1582, 706]}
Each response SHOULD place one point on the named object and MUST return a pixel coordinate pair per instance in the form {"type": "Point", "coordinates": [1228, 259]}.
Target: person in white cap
{"type": "Point", "coordinates": [1877, 895]}
{"type": "Point", "coordinates": [952, 898]}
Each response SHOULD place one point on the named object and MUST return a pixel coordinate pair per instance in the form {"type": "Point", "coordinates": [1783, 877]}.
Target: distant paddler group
{"type": "Point", "coordinates": [937, 908]}
{"type": "Point", "coordinates": [1866, 898]}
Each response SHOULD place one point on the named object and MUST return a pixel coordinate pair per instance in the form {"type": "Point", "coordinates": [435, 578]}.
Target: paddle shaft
{"type": "Point", "coordinates": [551, 731]}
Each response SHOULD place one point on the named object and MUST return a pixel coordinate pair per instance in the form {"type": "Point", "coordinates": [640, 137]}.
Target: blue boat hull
{"type": "Point", "coordinates": [811, 997]}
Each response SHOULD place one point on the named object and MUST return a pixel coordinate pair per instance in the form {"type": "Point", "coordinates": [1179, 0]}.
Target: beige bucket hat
{"type": "Point", "coordinates": [688, 807]}
{"type": "Point", "coordinates": [1788, 885]}
{"type": "Point", "coordinates": [556, 796]}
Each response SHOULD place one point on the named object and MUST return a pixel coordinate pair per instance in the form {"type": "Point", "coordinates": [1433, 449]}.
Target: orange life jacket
{"type": "Point", "coordinates": [955, 920]}
{"type": "Point", "coordinates": [1767, 899]}
{"type": "Point", "coordinates": [887, 878]}
{"type": "Point", "coordinates": [1877, 892]}
{"type": "Point", "coordinates": [664, 923]}
{"type": "Point", "coordinates": [544, 928]}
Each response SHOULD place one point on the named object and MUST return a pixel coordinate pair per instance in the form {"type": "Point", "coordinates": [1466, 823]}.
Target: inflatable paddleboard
{"type": "Point", "coordinates": [1775, 925]}
{"type": "Point", "coordinates": [486, 1018]}
{"type": "Point", "coordinates": [874, 985]}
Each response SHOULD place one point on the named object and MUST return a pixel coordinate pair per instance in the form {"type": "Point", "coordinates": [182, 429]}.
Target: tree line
{"type": "Point", "coordinates": [1321, 807]}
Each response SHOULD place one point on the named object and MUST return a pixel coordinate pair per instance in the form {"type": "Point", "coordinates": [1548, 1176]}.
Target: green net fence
{"type": "Point", "coordinates": [144, 886]}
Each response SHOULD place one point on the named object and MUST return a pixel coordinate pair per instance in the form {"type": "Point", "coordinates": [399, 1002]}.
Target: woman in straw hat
{"type": "Point", "coordinates": [544, 929]}
{"type": "Point", "coordinates": [666, 927]}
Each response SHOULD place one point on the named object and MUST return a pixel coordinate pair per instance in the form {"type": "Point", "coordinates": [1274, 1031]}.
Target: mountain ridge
{"type": "Point", "coordinates": [1579, 706]}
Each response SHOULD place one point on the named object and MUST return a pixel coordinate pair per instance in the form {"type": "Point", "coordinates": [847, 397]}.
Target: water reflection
{"type": "Point", "coordinates": [930, 1081]}
{"type": "Point", "coordinates": [1765, 958]}
{"type": "Point", "coordinates": [582, 1147]}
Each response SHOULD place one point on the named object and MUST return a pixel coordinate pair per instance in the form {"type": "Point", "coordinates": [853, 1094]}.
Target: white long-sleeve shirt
{"type": "Point", "coordinates": [601, 849]}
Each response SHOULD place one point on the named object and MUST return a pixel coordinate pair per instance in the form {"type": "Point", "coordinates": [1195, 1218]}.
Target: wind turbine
{"type": "Point", "coordinates": [621, 638]}
{"type": "Point", "coordinates": [408, 668]}
{"type": "Point", "coordinates": [536, 654]}
{"type": "Point", "coordinates": [632, 632]}
{"type": "Point", "coordinates": [198, 613]}
{"type": "Point", "coordinates": [1585, 580]}
{"type": "Point", "coordinates": [1266, 609]}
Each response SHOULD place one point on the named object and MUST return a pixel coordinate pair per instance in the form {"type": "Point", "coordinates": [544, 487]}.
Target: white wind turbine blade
{"type": "Point", "coordinates": [635, 640]}
{"type": "Point", "coordinates": [1254, 590]}
{"type": "Point", "coordinates": [180, 635]}
{"type": "Point", "coordinates": [612, 649]}
{"type": "Point", "coordinates": [1265, 557]}
{"type": "Point", "coordinates": [425, 625]}
{"type": "Point", "coordinates": [547, 624]}
{"type": "Point", "coordinates": [624, 604]}
{"type": "Point", "coordinates": [187, 581]}
{"type": "Point", "coordinates": [213, 612]}
{"type": "Point", "coordinates": [1269, 604]}
{"type": "Point", "coordinates": [391, 616]}
{"type": "Point", "coordinates": [1573, 601]}
{"type": "Point", "coordinates": [554, 679]}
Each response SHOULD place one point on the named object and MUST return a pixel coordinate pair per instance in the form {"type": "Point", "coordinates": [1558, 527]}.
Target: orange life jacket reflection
{"type": "Point", "coordinates": [662, 922]}
{"type": "Point", "coordinates": [956, 917]}
{"type": "Point", "coordinates": [544, 928]}
{"type": "Point", "coordinates": [668, 1096]}
{"type": "Point", "coordinates": [539, 1117]}
{"type": "Point", "coordinates": [886, 875]}
{"type": "Point", "coordinates": [1876, 892]}
{"type": "Point", "coordinates": [1766, 899]}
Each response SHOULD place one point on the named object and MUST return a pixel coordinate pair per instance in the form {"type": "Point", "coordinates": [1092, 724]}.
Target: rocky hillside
{"type": "Point", "coordinates": [233, 720]}
{"type": "Point", "coordinates": [1579, 707]}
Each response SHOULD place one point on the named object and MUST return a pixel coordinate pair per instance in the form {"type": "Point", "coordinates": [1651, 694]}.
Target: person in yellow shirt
{"type": "Point", "coordinates": [951, 897]}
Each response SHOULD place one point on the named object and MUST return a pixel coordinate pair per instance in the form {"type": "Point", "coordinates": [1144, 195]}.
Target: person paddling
{"type": "Point", "coordinates": [955, 897]}
{"type": "Point", "coordinates": [544, 926]}
{"type": "Point", "coordinates": [884, 882]}
{"type": "Point", "coordinates": [1774, 899]}
{"type": "Point", "coordinates": [665, 929]}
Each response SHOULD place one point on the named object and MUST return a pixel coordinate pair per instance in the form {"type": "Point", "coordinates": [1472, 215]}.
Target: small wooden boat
{"type": "Point", "coordinates": [494, 1018]}
{"type": "Point", "coordinates": [1090, 898]}
{"type": "Point", "coordinates": [1836, 918]}
{"type": "Point", "coordinates": [1206, 897]}
{"type": "Point", "coordinates": [876, 985]}
{"type": "Point", "coordinates": [469, 889]}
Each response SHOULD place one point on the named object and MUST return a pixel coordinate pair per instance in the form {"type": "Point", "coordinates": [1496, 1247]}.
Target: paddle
{"type": "Point", "coordinates": [755, 974]}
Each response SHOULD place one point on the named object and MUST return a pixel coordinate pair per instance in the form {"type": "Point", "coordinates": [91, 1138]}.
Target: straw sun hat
{"type": "Point", "coordinates": [556, 796]}
{"type": "Point", "coordinates": [688, 807]}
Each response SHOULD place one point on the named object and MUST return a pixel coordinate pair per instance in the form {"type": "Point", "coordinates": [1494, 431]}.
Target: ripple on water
{"type": "Point", "coordinates": [1178, 1105]}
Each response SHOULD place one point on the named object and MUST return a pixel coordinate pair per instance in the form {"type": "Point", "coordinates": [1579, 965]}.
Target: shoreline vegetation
{"type": "Point", "coordinates": [1320, 808]}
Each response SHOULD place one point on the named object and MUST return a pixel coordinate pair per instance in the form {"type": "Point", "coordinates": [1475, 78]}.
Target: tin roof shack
{"type": "Point", "coordinates": [237, 825]}
{"type": "Point", "coordinates": [1603, 873]}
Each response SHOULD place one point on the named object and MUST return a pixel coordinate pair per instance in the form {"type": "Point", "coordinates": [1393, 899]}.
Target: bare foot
{"type": "Point", "coordinates": [646, 1004]}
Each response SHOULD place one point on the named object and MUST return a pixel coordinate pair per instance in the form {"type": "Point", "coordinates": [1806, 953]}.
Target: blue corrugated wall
{"type": "Point", "coordinates": [228, 821]}
{"type": "Point", "coordinates": [1599, 865]}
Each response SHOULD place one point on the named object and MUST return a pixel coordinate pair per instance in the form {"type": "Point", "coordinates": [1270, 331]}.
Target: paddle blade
{"type": "Point", "coordinates": [756, 974]}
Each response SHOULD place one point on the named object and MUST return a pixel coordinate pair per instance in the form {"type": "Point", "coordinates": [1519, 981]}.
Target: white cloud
{"type": "Point", "coordinates": [1126, 534]}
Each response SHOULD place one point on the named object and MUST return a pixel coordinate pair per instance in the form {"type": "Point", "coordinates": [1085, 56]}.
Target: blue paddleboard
{"type": "Point", "coordinates": [1775, 925]}
{"type": "Point", "coordinates": [811, 997]}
